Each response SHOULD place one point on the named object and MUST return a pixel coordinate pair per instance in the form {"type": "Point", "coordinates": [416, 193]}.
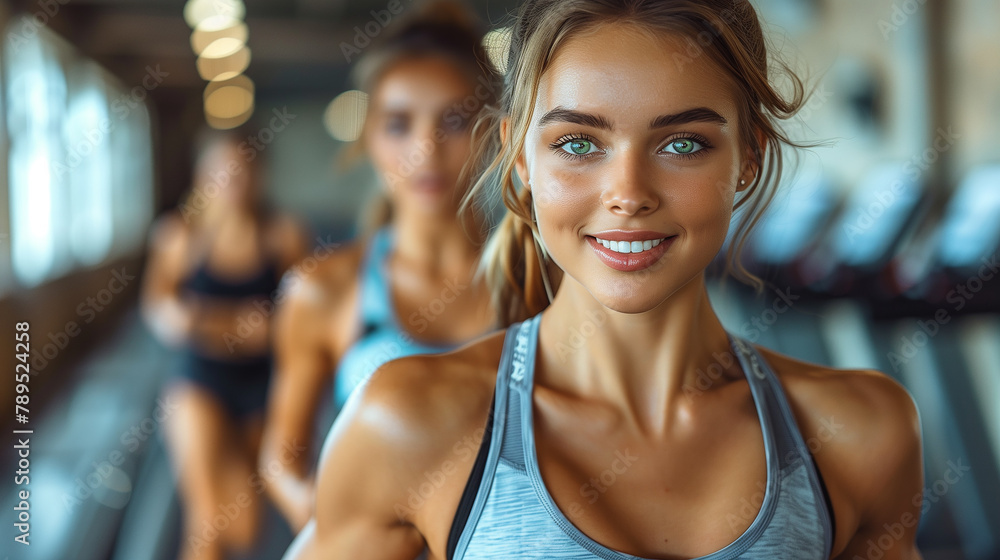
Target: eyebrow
{"type": "Point", "coordinates": [698, 114]}
{"type": "Point", "coordinates": [559, 114]}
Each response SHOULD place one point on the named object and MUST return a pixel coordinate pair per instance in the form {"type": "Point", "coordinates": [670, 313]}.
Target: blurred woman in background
{"type": "Point", "coordinates": [407, 286]}
{"type": "Point", "coordinates": [214, 264]}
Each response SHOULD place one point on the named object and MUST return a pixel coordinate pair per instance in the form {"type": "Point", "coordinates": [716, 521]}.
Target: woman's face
{"type": "Point", "coordinates": [632, 142]}
{"type": "Point", "coordinates": [418, 133]}
{"type": "Point", "coordinates": [226, 172]}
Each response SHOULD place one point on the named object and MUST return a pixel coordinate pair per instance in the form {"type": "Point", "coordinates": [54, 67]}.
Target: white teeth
{"type": "Point", "coordinates": [626, 247]}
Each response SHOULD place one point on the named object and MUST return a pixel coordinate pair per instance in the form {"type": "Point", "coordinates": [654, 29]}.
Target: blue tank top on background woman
{"type": "Point", "coordinates": [382, 337]}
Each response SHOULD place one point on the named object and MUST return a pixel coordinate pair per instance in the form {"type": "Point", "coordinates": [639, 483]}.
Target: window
{"type": "Point", "coordinates": [80, 173]}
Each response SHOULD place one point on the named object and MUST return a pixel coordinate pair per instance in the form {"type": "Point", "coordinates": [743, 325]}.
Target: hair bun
{"type": "Point", "coordinates": [447, 13]}
{"type": "Point", "coordinates": [435, 27]}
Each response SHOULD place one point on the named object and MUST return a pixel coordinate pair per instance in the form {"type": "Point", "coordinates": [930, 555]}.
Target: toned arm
{"type": "Point", "coordinates": [162, 308]}
{"type": "Point", "coordinates": [291, 240]}
{"type": "Point", "coordinates": [888, 473]}
{"type": "Point", "coordinates": [371, 457]}
{"type": "Point", "coordinates": [415, 415]}
{"type": "Point", "coordinates": [863, 430]}
{"type": "Point", "coordinates": [313, 314]}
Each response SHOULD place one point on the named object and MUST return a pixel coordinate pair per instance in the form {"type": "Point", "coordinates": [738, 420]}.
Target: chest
{"type": "Point", "coordinates": [231, 254]}
{"type": "Point", "coordinates": [683, 497]}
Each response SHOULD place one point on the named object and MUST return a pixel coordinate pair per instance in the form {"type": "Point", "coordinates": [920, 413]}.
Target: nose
{"type": "Point", "coordinates": [629, 190]}
{"type": "Point", "coordinates": [425, 147]}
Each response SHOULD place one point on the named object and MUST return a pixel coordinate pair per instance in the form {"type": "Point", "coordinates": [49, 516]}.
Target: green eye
{"type": "Point", "coordinates": [684, 146]}
{"type": "Point", "coordinates": [578, 147]}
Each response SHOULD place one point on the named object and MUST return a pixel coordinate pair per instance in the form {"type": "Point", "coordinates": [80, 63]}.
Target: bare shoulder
{"type": "Point", "coordinates": [439, 396]}
{"type": "Point", "coordinates": [283, 224]}
{"type": "Point", "coordinates": [334, 263]}
{"type": "Point", "coordinates": [170, 243]}
{"type": "Point", "coordinates": [287, 237]}
{"type": "Point", "coordinates": [863, 430]}
{"type": "Point", "coordinates": [325, 280]}
{"type": "Point", "coordinates": [868, 398]}
{"type": "Point", "coordinates": [169, 233]}
{"type": "Point", "coordinates": [416, 423]}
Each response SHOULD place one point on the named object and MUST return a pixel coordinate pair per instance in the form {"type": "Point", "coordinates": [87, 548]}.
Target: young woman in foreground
{"type": "Point", "coordinates": [621, 419]}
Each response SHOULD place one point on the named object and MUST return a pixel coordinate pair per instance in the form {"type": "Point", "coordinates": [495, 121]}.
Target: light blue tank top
{"type": "Point", "coordinates": [514, 517]}
{"type": "Point", "coordinates": [382, 337]}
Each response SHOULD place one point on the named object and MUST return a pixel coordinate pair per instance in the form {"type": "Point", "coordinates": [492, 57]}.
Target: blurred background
{"type": "Point", "coordinates": [881, 249]}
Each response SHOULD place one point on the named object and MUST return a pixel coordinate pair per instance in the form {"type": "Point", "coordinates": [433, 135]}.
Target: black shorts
{"type": "Point", "coordinates": [240, 385]}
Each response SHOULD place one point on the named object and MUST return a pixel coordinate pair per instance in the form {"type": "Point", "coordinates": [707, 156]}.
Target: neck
{"type": "Point", "coordinates": [435, 244]}
{"type": "Point", "coordinates": [217, 216]}
{"type": "Point", "coordinates": [651, 366]}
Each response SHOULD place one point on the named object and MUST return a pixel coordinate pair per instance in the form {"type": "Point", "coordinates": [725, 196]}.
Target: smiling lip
{"type": "Point", "coordinates": [630, 262]}
{"type": "Point", "coordinates": [430, 182]}
{"type": "Point", "coordinates": [629, 234]}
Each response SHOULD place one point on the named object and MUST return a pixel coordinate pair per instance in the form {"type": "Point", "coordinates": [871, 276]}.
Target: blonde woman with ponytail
{"type": "Point", "coordinates": [615, 417]}
{"type": "Point", "coordinates": [407, 286]}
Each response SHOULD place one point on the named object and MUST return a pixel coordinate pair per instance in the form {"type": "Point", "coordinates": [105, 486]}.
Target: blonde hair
{"type": "Point", "coordinates": [439, 29]}
{"type": "Point", "coordinates": [514, 262]}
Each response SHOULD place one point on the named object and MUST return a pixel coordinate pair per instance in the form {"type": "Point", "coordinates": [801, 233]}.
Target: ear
{"type": "Point", "coordinates": [520, 164]}
{"type": "Point", "coordinates": [750, 167]}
